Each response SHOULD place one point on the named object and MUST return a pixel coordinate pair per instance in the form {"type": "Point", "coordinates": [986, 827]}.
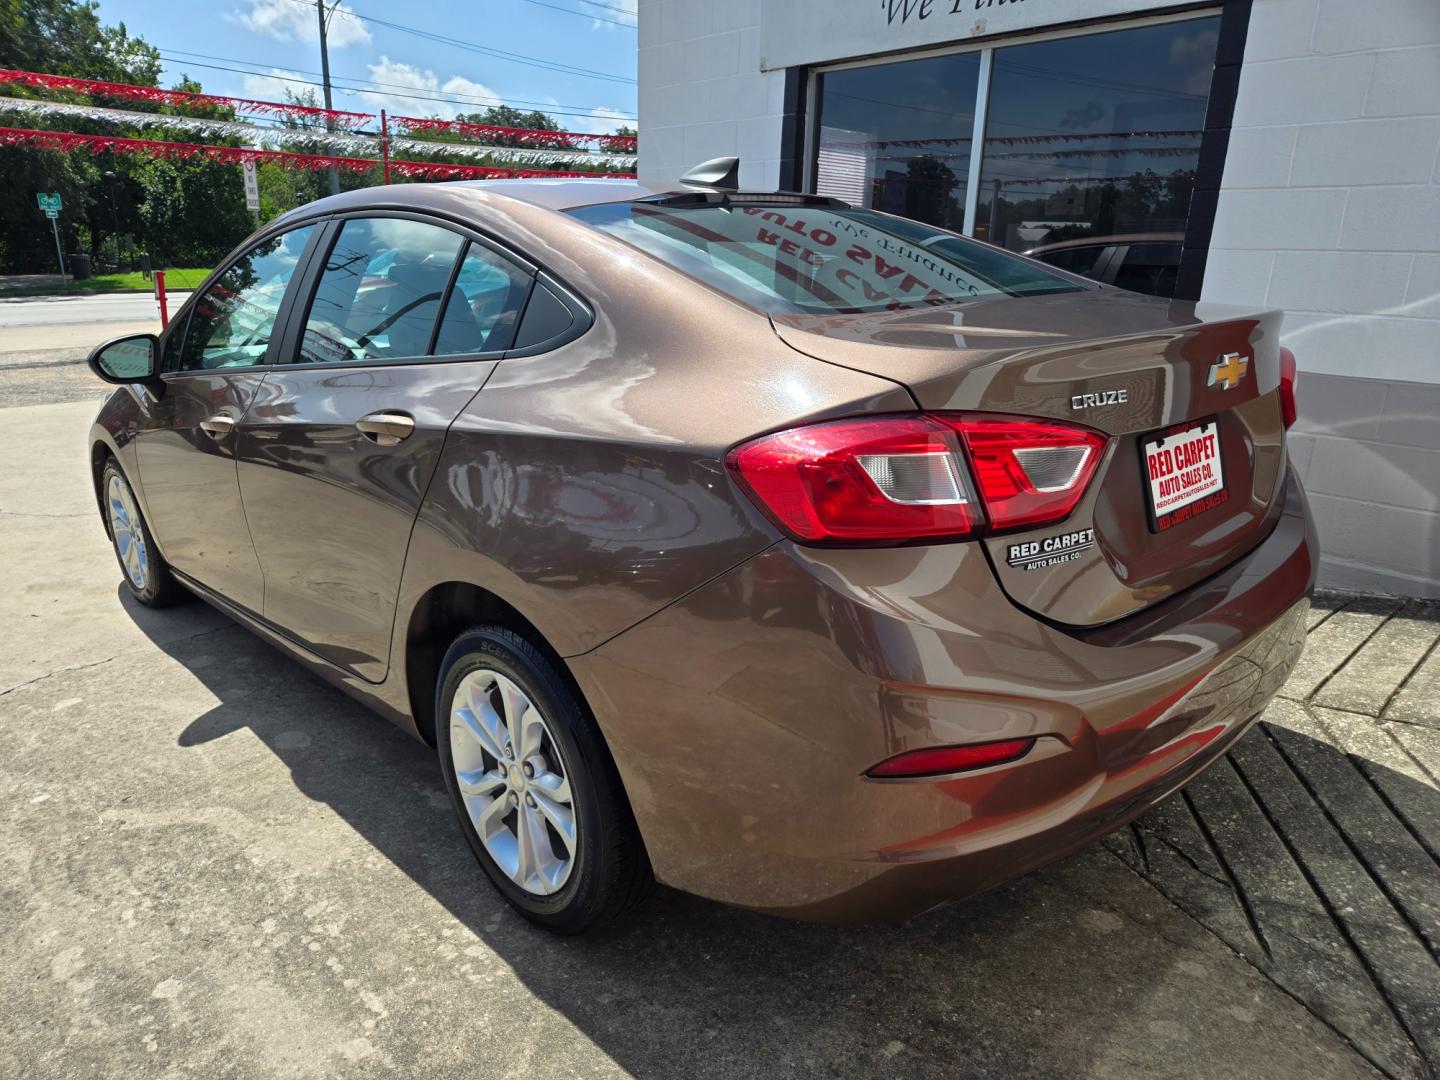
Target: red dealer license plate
{"type": "Point", "coordinates": [1185, 475]}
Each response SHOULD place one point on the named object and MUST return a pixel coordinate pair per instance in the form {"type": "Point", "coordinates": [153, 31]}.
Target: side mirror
{"type": "Point", "coordinates": [126, 360]}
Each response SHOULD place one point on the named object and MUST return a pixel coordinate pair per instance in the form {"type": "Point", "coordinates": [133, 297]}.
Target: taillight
{"type": "Point", "coordinates": [894, 479]}
{"type": "Point", "coordinates": [1287, 386]}
{"type": "Point", "coordinates": [939, 760]}
{"type": "Point", "coordinates": [861, 481]}
{"type": "Point", "coordinates": [1029, 472]}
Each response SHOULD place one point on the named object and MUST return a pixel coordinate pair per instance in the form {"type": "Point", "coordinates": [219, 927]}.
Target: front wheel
{"type": "Point", "coordinates": [147, 574]}
{"type": "Point", "coordinates": [534, 787]}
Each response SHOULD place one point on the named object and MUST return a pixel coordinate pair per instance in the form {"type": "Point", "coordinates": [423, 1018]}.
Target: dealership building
{"type": "Point", "coordinates": [1283, 153]}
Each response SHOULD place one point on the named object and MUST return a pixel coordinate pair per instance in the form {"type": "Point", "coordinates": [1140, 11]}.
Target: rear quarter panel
{"type": "Point", "coordinates": [586, 486]}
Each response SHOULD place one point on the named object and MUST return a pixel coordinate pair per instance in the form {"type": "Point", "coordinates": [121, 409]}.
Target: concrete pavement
{"type": "Point", "coordinates": [215, 865]}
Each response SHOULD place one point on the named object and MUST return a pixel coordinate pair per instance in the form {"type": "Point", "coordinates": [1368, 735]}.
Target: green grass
{"type": "Point", "coordinates": [179, 278]}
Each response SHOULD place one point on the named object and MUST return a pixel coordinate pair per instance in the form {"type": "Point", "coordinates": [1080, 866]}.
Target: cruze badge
{"type": "Point", "coordinates": [1227, 372]}
{"type": "Point", "coordinates": [1100, 397]}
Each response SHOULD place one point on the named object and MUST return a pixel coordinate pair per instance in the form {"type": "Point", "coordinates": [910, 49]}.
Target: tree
{"type": "Point", "coordinates": [62, 37]}
{"type": "Point", "coordinates": [507, 116]}
{"type": "Point", "coordinates": [65, 37]}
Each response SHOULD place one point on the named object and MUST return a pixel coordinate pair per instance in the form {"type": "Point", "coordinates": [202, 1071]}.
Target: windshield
{"type": "Point", "coordinates": [788, 259]}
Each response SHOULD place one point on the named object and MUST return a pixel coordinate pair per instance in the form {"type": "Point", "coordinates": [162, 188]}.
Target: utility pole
{"type": "Point", "coordinates": [325, 80]}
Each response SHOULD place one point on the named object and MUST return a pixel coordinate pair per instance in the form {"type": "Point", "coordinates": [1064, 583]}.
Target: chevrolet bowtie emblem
{"type": "Point", "coordinates": [1227, 372]}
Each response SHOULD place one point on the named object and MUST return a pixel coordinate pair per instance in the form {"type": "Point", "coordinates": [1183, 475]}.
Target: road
{"type": "Point", "coordinates": [213, 864]}
{"type": "Point", "coordinates": [44, 341]}
{"type": "Point", "coordinates": [99, 309]}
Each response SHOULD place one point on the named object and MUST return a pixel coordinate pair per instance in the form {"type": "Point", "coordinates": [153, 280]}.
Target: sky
{"type": "Point", "coordinates": [437, 58]}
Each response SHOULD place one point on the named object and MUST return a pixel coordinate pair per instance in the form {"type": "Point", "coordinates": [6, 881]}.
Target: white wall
{"type": "Point", "coordinates": [1330, 204]}
{"type": "Point", "coordinates": [702, 94]}
{"type": "Point", "coordinates": [1330, 209]}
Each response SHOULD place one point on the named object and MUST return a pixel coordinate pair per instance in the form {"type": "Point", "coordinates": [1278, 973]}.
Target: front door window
{"type": "Point", "coordinates": [232, 322]}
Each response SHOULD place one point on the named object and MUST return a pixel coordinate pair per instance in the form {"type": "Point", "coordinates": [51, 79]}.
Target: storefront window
{"type": "Point", "coordinates": [896, 137]}
{"type": "Point", "coordinates": [1090, 150]}
{"type": "Point", "coordinates": [1091, 145]}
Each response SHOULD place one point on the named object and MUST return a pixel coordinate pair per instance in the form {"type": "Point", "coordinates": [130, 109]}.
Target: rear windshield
{"type": "Point", "coordinates": [789, 259]}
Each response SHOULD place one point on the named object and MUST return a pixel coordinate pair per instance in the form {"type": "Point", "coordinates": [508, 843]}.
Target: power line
{"type": "Point", "coordinates": [484, 50]}
{"type": "Point", "coordinates": [181, 57]}
{"type": "Point", "coordinates": [586, 14]}
{"type": "Point", "coordinates": [499, 54]}
{"type": "Point", "coordinates": [476, 103]}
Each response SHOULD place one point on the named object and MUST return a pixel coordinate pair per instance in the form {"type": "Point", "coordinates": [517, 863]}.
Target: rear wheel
{"type": "Point", "coordinates": [532, 782]}
{"type": "Point", "coordinates": [147, 574]}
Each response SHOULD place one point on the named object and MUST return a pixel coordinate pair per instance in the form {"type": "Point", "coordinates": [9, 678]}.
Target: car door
{"type": "Point", "coordinates": [405, 320]}
{"type": "Point", "coordinates": [212, 368]}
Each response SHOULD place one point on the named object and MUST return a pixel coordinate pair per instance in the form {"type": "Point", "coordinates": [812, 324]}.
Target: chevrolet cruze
{"type": "Point", "coordinates": [794, 554]}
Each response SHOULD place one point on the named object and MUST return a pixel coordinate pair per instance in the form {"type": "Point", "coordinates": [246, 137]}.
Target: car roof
{"type": "Point", "coordinates": [563, 193]}
{"type": "Point", "coordinates": [545, 193]}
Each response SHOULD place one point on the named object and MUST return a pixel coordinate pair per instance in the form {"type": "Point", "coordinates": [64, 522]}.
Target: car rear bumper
{"type": "Point", "coordinates": [744, 716]}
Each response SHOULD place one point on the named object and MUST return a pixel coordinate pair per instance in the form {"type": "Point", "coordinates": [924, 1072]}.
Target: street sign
{"type": "Point", "coordinates": [50, 203]}
{"type": "Point", "coordinates": [252, 188]}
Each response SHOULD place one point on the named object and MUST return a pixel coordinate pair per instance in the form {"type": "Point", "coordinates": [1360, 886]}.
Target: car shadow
{"type": "Point", "coordinates": [1080, 967]}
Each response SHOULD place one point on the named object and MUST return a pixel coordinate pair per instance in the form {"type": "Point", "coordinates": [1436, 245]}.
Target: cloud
{"type": "Point", "coordinates": [275, 87]}
{"type": "Point", "coordinates": [601, 121]}
{"type": "Point", "coordinates": [287, 20]}
{"type": "Point", "coordinates": [401, 78]}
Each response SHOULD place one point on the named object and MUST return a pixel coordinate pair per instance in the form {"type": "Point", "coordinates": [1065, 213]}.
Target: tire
{"type": "Point", "coordinates": [607, 872]}
{"type": "Point", "coordinates": [143, 569]}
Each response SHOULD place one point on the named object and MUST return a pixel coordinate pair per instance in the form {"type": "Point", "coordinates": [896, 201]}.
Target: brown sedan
{"type": "Point", "coordinates": [796, 555]}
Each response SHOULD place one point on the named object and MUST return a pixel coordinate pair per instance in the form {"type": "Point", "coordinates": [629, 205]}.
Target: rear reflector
{"type": "Point", "coordinates": [941, 760]}
{"type": "Point", "coordinates": [916, 477]}
{"type": "Point", "coordinates": [1288, 374]}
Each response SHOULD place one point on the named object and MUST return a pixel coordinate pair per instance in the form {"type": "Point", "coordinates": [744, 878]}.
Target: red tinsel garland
{"type": "Point", "coordinates": [94, 87]}
{"type": "Point", "coordinates": [66, 141]}
{"type": "Point", "coordinates": [550, 140]}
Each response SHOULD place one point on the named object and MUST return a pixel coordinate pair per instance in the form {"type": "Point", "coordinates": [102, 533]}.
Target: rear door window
{"type": "Point", "coordinates": [379, 294]}
{"type": "Point", "coordinates": [481, 311]}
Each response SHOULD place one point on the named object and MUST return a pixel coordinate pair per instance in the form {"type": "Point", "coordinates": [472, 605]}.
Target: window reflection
{"type": "Point", "coordinates": [896, 137]}
{"type": "Point", "coordinates": [1091, 145]}
{"type": "Point", "coordinates": [1098, 138]}
{"type": "Point", "coordinates": [233, 320]}
{"type": "Point", "coordinates": [380, 292]}
{"type": "Point", "coordinates": [480, 314]}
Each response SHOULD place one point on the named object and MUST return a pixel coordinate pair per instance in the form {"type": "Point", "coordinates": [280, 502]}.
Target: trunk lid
{"type": "Point", "coordinates": [1134, 367]}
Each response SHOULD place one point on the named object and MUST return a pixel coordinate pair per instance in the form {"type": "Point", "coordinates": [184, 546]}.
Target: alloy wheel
{"type": "Point", "coordinates": [513, 781]}
{"type": "Point", "coordinates": [126, 531]}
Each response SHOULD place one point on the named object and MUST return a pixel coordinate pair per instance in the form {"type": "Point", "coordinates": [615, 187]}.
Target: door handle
{"type": "Point", "coordinates": [217, 427]}
{"type": "Point", "coordinates": [386, 428]}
